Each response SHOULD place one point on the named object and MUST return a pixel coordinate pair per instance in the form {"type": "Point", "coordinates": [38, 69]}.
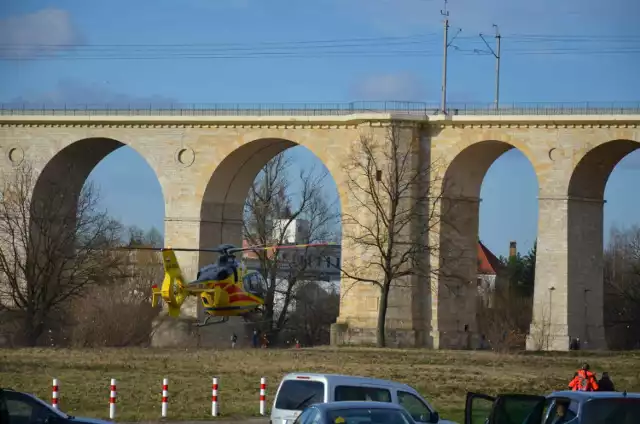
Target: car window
{"type": "Point", "coordinates": [416, 407]}
{"type": "Point", "coordinates": [361, 393]}
{"type": "Point", "coordinates": [24, 410]}
{"type": "Point", "coordinates": [561, 410]}
{"type": "Point", "coordinates": [303, 416]}
{"type": "Point", "coordinates": [295, 395]}
{"type": "Point", "coordinates": [612, 410]}
{"type": "Point", "coordinates": [314, 417]}
{"type": "Point", "coordinates": [368, 416]}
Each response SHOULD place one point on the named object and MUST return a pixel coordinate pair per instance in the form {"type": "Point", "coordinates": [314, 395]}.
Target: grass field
{"type": "Point", "coordinates": [443, 377]}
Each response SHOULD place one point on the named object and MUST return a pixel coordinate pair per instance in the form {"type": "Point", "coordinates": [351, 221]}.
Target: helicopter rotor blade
{"type": "Point", "coordinates": [227, 248]}
{"type": "Point", "coordinates": [155, 249]}
{"type": "Point", "coordinates": [188, 249]}
{"type": "Point", "coordinates": [281, 246]}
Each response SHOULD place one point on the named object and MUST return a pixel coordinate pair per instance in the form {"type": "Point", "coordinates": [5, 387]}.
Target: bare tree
{"type": "Point", "coordinates": [272, 207]}
{"type": "Point", "coordinates": [52, 247]}
{"type": "Point", "coordinates": [622, 288]}
{"type": "Point", "coordinates": [316, 308]}
{"type": "Point", "coordinates": [121, 314]}
{"type": "Point", "coordinates": [501, 319]}
{"type": "Point", "coordinates": [395, 213]}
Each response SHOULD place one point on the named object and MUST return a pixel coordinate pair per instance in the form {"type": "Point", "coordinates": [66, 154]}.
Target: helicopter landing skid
{"type": "Point", "coordinates": [253, 316]}
{"type": "Point", "coordinates": [206, 322]}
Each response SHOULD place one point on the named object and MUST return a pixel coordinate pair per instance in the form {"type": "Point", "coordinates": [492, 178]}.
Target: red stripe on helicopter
{"type": "Point", "coordinates": [240, 297]}
{"type": "Point", "coordinates": [232, 289]}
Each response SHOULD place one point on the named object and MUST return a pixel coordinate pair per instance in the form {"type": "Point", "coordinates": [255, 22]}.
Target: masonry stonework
{"type": "Point", "coordinates": [205, 166]}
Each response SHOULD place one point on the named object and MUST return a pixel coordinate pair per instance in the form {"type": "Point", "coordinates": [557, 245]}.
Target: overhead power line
{"type": "Point", "coordinates": [421, 45]}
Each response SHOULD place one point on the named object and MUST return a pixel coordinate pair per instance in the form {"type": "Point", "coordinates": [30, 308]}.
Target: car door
{"type": "Point", "coordinates": [518, 409]}
{"type": "Point", "coordinates": [477, 408]}
{"type": "Point", "coordinates": [22, 409]}
{"type": "Point", "coordinates": [503, 409]}
{"type": "Point", "coordinates": [416, 407]}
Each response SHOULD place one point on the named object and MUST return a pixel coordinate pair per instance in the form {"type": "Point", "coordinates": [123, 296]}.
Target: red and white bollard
{"type": "Point", "coordinates": [165, 396]}
{"type": "Point", "coordinates": [112, 399]}
{"type": "Point", "coordinates": [214, 397]}
{"type": "Point", "coordinates": [54, 394]}
{"type": "Point", "coordinates": [263, 390]}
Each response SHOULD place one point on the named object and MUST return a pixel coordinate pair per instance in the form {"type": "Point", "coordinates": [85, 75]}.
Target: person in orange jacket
{"type": "Point", "coordinates": [584, 380]}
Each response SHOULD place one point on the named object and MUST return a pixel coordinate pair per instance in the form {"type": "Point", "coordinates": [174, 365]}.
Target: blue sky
{"type": "Point", "coordinates": [552, 52]}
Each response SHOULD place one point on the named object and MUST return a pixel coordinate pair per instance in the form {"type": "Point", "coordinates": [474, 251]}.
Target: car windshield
{"type": "Point", "coordinates": [612, 410]}
{"type": "Point", "coordinates": [368, 416]}
{"type": "Point", "coordinates": [295, 395]}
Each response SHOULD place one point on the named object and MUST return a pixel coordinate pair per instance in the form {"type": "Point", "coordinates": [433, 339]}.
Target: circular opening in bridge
{"type": "Point", "coordinates": [608, 238]}
{"type": "Point", "coordinates": [16, 155]}
{"type": "Point", "coordinates": [275, 192]}
{"type": "Point", "coordinates": [186, 156]}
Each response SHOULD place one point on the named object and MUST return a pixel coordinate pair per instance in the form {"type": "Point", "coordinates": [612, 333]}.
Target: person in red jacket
{"type": "Point", "coordinates": [584, 380]}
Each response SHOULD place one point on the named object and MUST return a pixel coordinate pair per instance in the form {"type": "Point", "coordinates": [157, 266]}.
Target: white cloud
{"type": "Point", "coordinates": [44, 31]}
{"type": "Point", "coordinates": [74, 93]}
{"type": "Point", "coordinates": [399, 86]}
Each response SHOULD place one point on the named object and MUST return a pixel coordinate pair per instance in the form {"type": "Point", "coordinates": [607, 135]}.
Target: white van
{"type": "Point", "coordinates": [299, 390]}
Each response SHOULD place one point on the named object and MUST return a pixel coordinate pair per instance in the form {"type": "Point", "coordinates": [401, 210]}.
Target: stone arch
{"type": "Point", "coordinates": [591, 173]}
{"type": "Point", "coordinates": [72, 165]}
{"type": "Point", "coordinates": [585, 224]}
{"type": "Point", "coordinates": [221, 213]}
{"type": "Point", "coordinates": [458, 237]}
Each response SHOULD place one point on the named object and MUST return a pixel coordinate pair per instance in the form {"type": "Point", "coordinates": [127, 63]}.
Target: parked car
{"type": "Point", "coordinates": [354, 412]}
{"type": "Point", "coordinates": [24, 408]}
{"type": "Point", "coordinates": [577, 407]}
{"type": "Point", "coordinates": [298, 390]}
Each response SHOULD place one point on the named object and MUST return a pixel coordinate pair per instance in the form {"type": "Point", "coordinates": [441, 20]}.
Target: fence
{"type": "Point", "coordinates": [112, 398]}
{"type": "Point", "coordinates": [317, 109]}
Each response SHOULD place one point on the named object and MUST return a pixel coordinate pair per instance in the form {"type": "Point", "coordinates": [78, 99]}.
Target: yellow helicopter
{"type": "Point", "coordinates": [226, 288]}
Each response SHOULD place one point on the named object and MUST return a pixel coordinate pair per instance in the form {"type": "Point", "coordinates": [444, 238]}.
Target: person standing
{"type": "Point", "coordinates": [605, 384]}
{"type": "Point", "coordinates": [584, 380]}
{"type": "Point", "coordinates": [254, 338]}
{"type": "Point", "coordinates": [234, 339]}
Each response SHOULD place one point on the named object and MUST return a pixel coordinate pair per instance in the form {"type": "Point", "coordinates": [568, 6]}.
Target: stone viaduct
{"type": "Point", "coordinates": [206, 161]}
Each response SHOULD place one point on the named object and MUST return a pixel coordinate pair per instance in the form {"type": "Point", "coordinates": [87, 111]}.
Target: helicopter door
{"type": "Point", "coordinates": [255, 284]}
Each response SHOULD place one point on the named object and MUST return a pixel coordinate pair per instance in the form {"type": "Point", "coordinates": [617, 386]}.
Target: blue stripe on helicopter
{"type": "Point", "coordinates": [228, 308]}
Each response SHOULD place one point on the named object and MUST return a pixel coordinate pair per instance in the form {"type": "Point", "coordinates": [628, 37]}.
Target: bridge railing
{"type": "Point", "coordinates": [316, 109]}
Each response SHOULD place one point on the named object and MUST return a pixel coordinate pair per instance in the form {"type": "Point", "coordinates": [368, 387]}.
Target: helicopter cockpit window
{"type": "Point", "coordinates": [254, 283]}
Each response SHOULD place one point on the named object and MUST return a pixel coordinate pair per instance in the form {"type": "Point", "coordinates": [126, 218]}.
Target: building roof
{"type": "Point", "coordinates": [488, 263]}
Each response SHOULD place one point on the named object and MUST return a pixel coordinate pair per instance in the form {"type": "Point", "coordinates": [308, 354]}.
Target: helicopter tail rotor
{"type": "Point", "coordinates": [173, 290]}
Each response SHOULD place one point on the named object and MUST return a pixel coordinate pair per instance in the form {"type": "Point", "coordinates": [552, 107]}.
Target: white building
{"type": "Point", "coordinates": [292, 231]}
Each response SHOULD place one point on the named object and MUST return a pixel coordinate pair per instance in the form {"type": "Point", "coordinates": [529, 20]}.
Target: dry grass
{"type": "Point", "coordinates": [443, 377]}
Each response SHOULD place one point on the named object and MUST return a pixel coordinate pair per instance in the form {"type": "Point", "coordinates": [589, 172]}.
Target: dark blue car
{"type": "Point", "coordinates": [354, 412]}
{"type": "Point", "coordinates": [562, 407]}
{"type": "Point", "coordinates": [23, 408]}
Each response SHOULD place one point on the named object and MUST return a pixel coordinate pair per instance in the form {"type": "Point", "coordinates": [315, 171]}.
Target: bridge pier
{"type": "Point", "coordinates": [568, 297]}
